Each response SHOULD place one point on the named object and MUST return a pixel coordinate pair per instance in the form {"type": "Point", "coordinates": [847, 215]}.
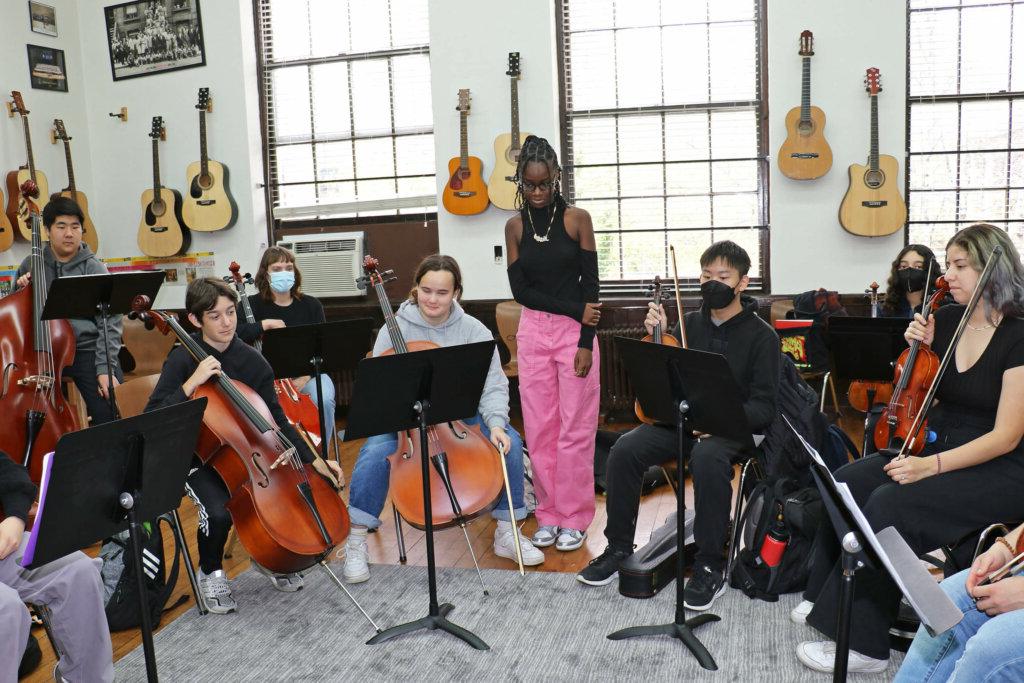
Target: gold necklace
{"type": "Point", "coordinates": [982, 328]}
{"type": "Point", "coordinates": [547, 233]}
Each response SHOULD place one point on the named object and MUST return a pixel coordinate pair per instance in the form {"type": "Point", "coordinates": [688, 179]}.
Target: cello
{"type": "Point", "coordinates": [33, 411]}
{"type": "Point", "coordinates": [864, 393]}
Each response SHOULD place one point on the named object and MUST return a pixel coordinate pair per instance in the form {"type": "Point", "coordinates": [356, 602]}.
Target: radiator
{"type": "Point", "coordinates": [616, 392]}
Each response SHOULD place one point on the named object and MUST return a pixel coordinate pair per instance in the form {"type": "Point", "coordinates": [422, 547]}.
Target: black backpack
{"type": "Point", "coordinates": [784, 455]}
{"type": "Point", "coordinates": [122, 602]}
{"type": "Point", "coordinates": [802, 512]}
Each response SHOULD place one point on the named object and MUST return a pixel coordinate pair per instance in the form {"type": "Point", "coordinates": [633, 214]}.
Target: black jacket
{"type": "Point", "coordinates": [16, 490]}
{"type": "Point", "coordinates": [751, 348]}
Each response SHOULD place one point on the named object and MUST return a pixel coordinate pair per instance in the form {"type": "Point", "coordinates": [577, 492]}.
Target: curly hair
{"type": "Point", "coordinates": [895, 293]}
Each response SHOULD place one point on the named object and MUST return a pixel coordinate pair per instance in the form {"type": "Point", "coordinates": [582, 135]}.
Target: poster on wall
{"type": "Point", "coordinates": [179, 270]}
{"type": "Point", "coordinates": [42, 18]}
{"type": "Point", "coordinates": [148, 37]}
{"type": "Point", "coordinates": [46, 68]}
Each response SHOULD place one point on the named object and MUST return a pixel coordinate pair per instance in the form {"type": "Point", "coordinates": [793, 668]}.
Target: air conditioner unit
{"type": "Point", "coordinates": [330, 262]}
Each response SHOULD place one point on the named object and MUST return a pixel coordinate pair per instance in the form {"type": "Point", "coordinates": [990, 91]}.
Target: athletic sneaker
{"type": "Point", "coordinates": [799, 613]}
{"type": "Point", "coordinates": [286, 583]}
{"type": "Point", "coordinates": [216, 592]}
{"type": "Point", "coordinates": [603, 569]}
{"type": "Point", "coordinates": [570, 539]}
{"type": "Point", "coordinates": [505, 545]}
{"type": "Point", "coordinates": [704, 586]}
{"type": "Point", "coordinates": [821, 656]}
{"type": "Point", "coordinates": [357, 557]}
{"type": "Point", "coordinates": [545, 536]}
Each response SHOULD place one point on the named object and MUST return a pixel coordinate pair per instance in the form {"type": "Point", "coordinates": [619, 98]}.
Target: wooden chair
{"type": "Point", "coordinates": [507, 314]}
{"type": "Point", "coordinates": [149, 348]}
{"type": "Point", "coordinates": [133, 395]}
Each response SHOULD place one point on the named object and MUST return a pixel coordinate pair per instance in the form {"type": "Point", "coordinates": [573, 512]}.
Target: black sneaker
{"type": "Point", "coordinates": [603, 568]}
{"type": "Point", "coordinates": [704, 586]}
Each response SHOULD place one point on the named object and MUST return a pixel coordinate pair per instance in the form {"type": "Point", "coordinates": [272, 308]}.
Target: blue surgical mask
{"type": "Point", "coordinates": [282, 281]}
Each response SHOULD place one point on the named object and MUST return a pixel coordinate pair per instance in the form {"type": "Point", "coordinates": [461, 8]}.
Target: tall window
{"type": "Point", "coordinates": [966, 99]}
{"type": "Point", "coordinates": [664, 141]}
{"type": "Point", "coordinates": [349, 129]}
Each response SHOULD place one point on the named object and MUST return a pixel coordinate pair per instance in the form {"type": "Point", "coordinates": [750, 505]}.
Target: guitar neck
{"type": "Point", "coordinates": [156, 169]}
{"type": "Point", "coordinates": [463, 141]}
{"type": "Point", "coordinates": [204, 166]}
{"type": "Point", "coordinates": [28, 147]}
{"type": "Point", "coordinates": [873, 156]}
{"type": "Point", "coordinates": [71, 167]}
{"type": "Point", "coordinates": [514, 80]}
{"type": "Point", "coordinates": [805, 92]}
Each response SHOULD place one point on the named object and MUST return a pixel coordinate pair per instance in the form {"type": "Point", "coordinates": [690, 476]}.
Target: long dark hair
{"type": "Point", "coordinates": [262, 279]}
{"type": "Point", "coordinates": [538, 150]}
{"type": "Point", "coordinates": [895, 292]}
{"type": "Point", "coordinates": [437, 262]}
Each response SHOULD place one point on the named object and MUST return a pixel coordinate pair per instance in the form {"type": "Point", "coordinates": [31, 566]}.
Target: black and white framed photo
{"type": "Point", "coordinates": [42, 18]}
{"type": "Point", "coordinates": [154, 36]}
{"type": "Point", "coordinates": [46, 68]}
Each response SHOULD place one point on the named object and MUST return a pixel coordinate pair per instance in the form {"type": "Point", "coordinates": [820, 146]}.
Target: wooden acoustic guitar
{"type": "Point", "coordinates": [72, 192]}
{"type": "Point", "coordinates": [502, 188]}
{"type": "Point", "coordinates": [873, 206]}
{"type": "Point", "coordinates": [208, 205]}
{"type": "Point", "coordinates": [6, 229]}
{"type": "Point", "coordinates": [17, 211]}
{"type": "Point", "coordinates": [805, 154]}
{"type": "Point", "coordinates": [465, 194]}
{"type": "Point", "coordinates": [161, 232]}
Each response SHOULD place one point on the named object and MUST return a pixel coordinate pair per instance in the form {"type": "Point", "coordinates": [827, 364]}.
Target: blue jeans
{"type": "Point", "coordinates": [979, 648]}
{"type": "Point", "coordinates": [368, 487]}
{"type": "Point", "coordinates": [309, 389]}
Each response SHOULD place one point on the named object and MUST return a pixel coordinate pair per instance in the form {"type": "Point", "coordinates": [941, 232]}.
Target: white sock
{"type": "Point", "coordinates": [504, 527]}
{"type": "Point", "coordinates": [357, 534]}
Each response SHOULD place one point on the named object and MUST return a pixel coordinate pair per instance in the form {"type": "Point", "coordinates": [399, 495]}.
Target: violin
{"type": "Point", "coordinates": [657, 336]}
{"type": "Point", "coordinates": [287, 518]}
{"type": "Point", "coordinates": [299, 408]}
{"type": "Point", "coordinates": [474, 477]}
{"type": "Point", "coordinates": [916, 371]}
{"type": "Point", "coordinates": [865, 393]}
{"type": "Point", "coordinates": [33, 411]}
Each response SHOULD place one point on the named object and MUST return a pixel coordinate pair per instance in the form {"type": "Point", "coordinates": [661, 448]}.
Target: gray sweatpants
{"type": "Point", "coordinates": [71, 588]}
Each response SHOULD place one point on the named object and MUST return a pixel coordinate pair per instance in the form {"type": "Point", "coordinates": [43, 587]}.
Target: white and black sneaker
{"type": "Point", "coordinates": [704, 586]}
{"type": "Point", "coordinates": [216, 592]}
{"type": "Point", "coordinates": [286, 583]}
{"type": "Point", "coordinates": [603, 569]}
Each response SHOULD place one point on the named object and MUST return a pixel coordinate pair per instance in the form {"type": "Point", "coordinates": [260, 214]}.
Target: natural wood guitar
{"type": "Point", "coordinates": [501, 187]}
{"type": "Point", "coordinates": [873, 206]}
{"type": "Point", "coordinates": [805, 154]}
{"type": "Point", "coordinates": [17, 211]}
{"type": "Point", "coordinates": [208, 205]}
{"type": "Point", "coordinates": [161, 232]}
{"type": "Point", "coordinates": [6, 229]}
{"type": "Point", "coordinates": [89, 235]}
{"type": "Point", "coordinates": [465, 194]}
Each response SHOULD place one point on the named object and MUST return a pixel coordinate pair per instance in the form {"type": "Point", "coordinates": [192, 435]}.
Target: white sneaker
{"type": "Point", "coordinates": [570, 539]}
{"type": "Point", "coordinates": [505, 546]}
{"type": "Point", "coordinates": [216, 592]}
{"type": "Point", "coordinates": [286, 583]}
{"type": "Point", "coordinates": [357, 557]}
{"type": "Point", "coordinates": [545, 536]}
{"type": "Point", "coordinates": [821, 656]}
{"type": "Point", "coordinates": [798, 615]}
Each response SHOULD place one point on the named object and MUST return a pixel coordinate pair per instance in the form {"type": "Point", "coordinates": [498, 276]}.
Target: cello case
{"type": "Point", "coordinates": [652, 567]}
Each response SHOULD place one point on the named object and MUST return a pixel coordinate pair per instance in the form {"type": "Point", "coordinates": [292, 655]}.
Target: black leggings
{"type": "Point", "coordinates": [205, 488]}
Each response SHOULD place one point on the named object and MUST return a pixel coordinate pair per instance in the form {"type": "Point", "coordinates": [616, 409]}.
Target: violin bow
{"type": "Point", "coordinates": [679, 301]}
{"type": "Point", "coordinates": [511, 511]}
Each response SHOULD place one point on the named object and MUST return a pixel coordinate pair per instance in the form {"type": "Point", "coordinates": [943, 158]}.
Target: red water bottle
{"type": "Point", "coordinates": [775, 541]}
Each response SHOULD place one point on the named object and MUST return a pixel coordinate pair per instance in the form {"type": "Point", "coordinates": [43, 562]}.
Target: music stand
{"type": "Point", "coordinates": [103, 294]}
{"type": "Point", "coordinates": [398, 392]}
{"type": "Point", "coordinates": [110, 477]}
{"type": "Point", "coordinates": [316, 349]}
{"type": "Point", "coordinates": [695, 391]}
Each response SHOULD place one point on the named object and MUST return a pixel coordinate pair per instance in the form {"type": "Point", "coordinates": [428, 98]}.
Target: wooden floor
{"type": "Point", "coordinates": [450, 548]}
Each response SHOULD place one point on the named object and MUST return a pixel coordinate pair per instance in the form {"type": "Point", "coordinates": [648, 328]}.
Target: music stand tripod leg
{"type": "Point", "coordinates": [186, 556]}
{"type": "Point", "coordinates": [851, 546]}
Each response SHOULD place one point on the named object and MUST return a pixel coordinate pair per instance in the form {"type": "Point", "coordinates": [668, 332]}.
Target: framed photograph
{"type": "Point", "coordinates": [46, 68]}
{"type": "Point", "coordinates": [148, 37]}
{"type": "Point", "coordinates": [42, 18]}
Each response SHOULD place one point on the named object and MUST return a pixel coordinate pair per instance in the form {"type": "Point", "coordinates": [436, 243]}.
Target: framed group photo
{"type": "Point", "coordinates": [42, 18]}
{"type": "Point", "coordinates": [46, 68]}
{"type": "Point", "coordinates": [148, 37]}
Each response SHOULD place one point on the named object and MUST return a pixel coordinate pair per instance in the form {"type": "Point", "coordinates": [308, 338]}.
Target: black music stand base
{"type": "Point", "coordinates": [432, 622]}
{"type": "Point", "coordinates": [851, 546]}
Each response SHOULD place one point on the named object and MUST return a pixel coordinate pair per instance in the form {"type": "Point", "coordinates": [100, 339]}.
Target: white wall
{"type": "Point", "coordinates": [809, 248]}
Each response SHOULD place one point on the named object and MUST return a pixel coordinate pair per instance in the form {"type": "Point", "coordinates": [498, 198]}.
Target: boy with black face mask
{"type": "Point", "coordinates": [727, 323]}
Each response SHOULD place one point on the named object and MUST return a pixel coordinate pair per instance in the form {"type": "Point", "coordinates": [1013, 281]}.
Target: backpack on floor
{"type": "Point", "coordinates": [783, 454]}
{"type": "Point", "coordinates": [838, 448]}
{"type": "Point", "coordinates": [119, 583]}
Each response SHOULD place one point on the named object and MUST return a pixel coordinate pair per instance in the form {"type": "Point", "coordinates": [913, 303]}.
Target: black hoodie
{"type": "Point", "coordinates": [16, 490]}
{"type": "Point", "coordinates": [752, 350]}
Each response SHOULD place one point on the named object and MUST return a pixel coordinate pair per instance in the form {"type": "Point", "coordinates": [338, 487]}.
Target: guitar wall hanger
{"type": "Point", "coordinates": [10, 109]}
{"type": "Point", "coordinates": [123, 115]}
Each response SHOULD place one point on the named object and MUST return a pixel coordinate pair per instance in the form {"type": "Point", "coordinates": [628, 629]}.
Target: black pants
{"type": "Point", "coordinates": [83, 372]}
{"type": "Point", "coordinates": [710, 463]}
{"type": "Point", "coordinates": [205, 488]}
{"type": "Point", "coordinates": [928, 514]}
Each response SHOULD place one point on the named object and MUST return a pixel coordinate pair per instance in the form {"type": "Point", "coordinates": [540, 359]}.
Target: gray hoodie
{"type": "Point", "coordinates": [87, 331]}
{"type": "Point", "coordinates": [459, 328]}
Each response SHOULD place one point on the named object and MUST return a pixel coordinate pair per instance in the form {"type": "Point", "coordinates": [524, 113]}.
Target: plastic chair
{"type": "Point", "coordinates": [507, 314]}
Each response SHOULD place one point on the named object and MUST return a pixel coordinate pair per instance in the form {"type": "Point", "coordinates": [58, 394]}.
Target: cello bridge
{"type": "Point", "coordinates": [44, 382]}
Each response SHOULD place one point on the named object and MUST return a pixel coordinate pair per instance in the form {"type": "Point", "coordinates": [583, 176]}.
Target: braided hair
{"type": "Point", "coordinates": [537, 150]}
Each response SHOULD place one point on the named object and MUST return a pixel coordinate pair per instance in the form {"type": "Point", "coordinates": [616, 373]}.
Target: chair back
{"type": "Point", "coordinates": [507, 314]}
{"type": "Point", "coordinates": [149, 348]}
{"type": "Point", "coordinates": [133, 395]}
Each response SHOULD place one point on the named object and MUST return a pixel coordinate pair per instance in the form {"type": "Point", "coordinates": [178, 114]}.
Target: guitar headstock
{"type": "Point", "coordinates": [62, 134]}
{"type": "Point", "coordinates": [18, 106]}
{"type": "Point", "coordinates": [203, 102]}
{"type": "Point", "coordinates": [806, 44]}
{"type": "Point", "coordinates": [157, 131]}
{"type": "Point", "coordinates": [513, 65]}
{"type": "Point", "coordinates": [873, 81]}
{"type": "Point", "coordinates": [463, 100]}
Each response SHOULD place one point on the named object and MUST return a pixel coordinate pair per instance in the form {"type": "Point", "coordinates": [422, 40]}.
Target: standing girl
{"type": "Point", "coordinates": [552, 271]}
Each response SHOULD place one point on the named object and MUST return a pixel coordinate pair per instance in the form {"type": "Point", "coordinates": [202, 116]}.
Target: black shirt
{"type": "Point", "coordinates": [16, 489]}
{"type": "Point", "coordinates": [557, 276]}
{"type": "Point", "coordinates": [240, 362]}
{"type": "Point", "coordinates": [304, 311]}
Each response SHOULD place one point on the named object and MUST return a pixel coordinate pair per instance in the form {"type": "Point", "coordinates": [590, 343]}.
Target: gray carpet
{"type": "Point", "coordinates": [542, 627]}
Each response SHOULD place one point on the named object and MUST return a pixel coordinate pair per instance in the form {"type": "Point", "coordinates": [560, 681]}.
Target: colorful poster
{"type": "Point", "coordinates": [179, 270]}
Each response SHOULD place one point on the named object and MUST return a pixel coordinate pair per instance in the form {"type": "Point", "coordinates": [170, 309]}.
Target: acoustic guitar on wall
{"type": "Point", "coordinates": [208, 205]}
{"type": "Point", "coordinates": [465, 194]}
{"type": "Point", "coordinates": [6, 229]}
{"type": "Point", "coordinates": [89, 235]}
{"type": "Point", "coordinates": [161, 232]}
{"type": "Point", "coordinates": [16, 208]}
{"type": "Point", "coordinates": [805, 154]}
{"type": "Point", "coordinates": [501, 188]}
{"type": "Point", "coordinates": [873, 206]}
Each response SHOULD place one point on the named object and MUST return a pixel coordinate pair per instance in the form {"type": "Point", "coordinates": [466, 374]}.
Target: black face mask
{"type": "Point", "coordinates": [912, 279]}
{"type": "Point", "coordinates": [717, 294]}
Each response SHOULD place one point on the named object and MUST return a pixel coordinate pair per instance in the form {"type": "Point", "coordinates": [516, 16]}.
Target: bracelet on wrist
{"type": "Point", "coordinates": [938, 463]}
{"type": "Point", "coordinates": [1002, 539]}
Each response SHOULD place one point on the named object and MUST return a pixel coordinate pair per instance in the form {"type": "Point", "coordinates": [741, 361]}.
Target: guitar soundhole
{"type": "Point", "coordinates": [512, 156]}
{"type": "Point", "coordinates": [205, 181]}
{"type": "Point", "coordinates": [874, 179]}
{"type": "Point", "coordinates": [805, 127]}
{"type": "Point", "coordinates": [158, 208]}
